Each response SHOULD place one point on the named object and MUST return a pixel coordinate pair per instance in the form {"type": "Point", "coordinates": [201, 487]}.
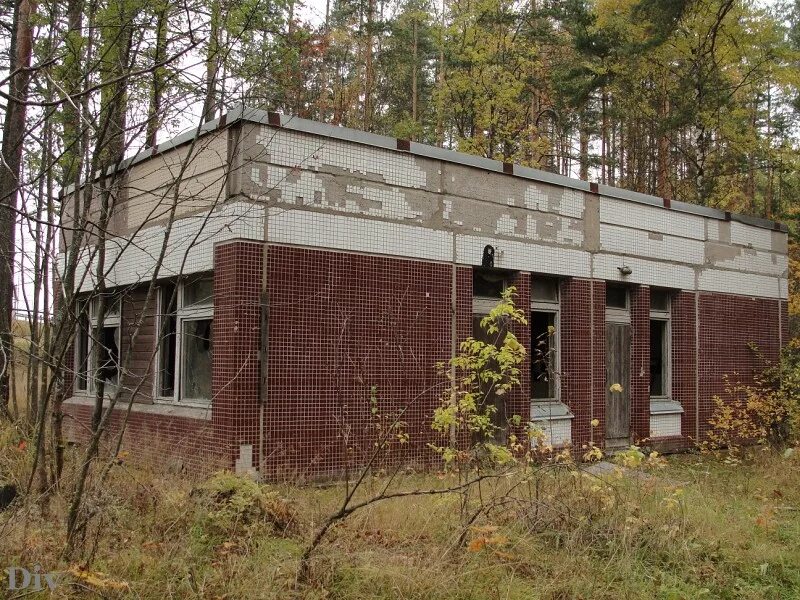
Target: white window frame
{"type": "Point", "coordinates": [160, 315]}
{"type": "Point", "coordinates": [113, 318]}
{"type": "Point", "coordinates": [553, 307]}
{"type": "Point", "coordinates": [666, 317]}
{"type": "Point", "coordinates": [83, 306]}
{"type": "Point", "coordinates": [184, 314]}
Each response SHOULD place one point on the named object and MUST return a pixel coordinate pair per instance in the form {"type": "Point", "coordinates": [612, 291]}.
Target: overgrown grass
{"type": "Point", "coordinates": [695, 528]}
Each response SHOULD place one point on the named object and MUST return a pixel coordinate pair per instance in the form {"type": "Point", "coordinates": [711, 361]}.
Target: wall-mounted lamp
{"type": "Point", "coordinates": [625, 270]}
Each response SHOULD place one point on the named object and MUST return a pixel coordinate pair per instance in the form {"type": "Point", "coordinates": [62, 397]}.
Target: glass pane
{"type": "Point", "coordinates": [108, 356]}
{"type": "Point", "coordinates": [545, 289]}
{"type": "Point", "coordinates": [487, 285]}
{"type": "Point", "coordinates": [82, 353]}
{"type": "Point", "coordinates": [658, 332]}
{"type": "Point", "coordinates": [199, 292]}
{"type": "Point", "coordinates": [168, 329]}
{"type": "Point", "coordinates": [659, 300]}
{"type": "Point", "coordinates": [616, 296]}
{"type": "Point", "coordinates": [197, 348]}
{"type": "Point", "coordinates": [113, 305]}
{"type": "Point", "coordinates": [543, 357]}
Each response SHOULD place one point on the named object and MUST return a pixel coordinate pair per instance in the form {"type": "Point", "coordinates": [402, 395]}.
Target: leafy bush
{"type": "Point", "coordinates": [231, 504]}
{"type": "Point", "coordinates": [482, 375]}
{"type": "Point", "coordinates": [766, 412]}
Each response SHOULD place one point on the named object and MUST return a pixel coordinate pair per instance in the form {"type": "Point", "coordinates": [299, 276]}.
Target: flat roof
{"type": "Point", "coordinates": [242, 113]}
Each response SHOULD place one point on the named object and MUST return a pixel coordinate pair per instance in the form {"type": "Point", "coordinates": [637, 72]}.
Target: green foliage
{"type": "Point", "coordinates": [231, 505]}
{"type": "Point", "coordinates": [482, 374]}
{"type": "Point", "coordinates": [766, 412]}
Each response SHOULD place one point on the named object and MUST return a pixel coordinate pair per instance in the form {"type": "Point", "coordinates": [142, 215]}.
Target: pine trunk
{"type": "Point", "coordinates": [10, 173]}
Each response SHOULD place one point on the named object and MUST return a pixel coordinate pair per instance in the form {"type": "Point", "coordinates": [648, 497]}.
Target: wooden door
{"type": "Point", "coordinates": [618, 403]}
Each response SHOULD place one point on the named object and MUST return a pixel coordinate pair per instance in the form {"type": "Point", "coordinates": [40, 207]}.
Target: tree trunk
{"type": "Point", "coordinates": [10, 173]}
{"type": "Point", "coordinates": [212, 65]}
{"type": "Point", "coordinates": [604, 137]}
{"type": "Point", "coordinates": [584, 148]}
{"type": "Point", "coordinates": [414, 68]}
{"type": "Point", "coordinates": [368, 70]}
{"type": "Point", "coordinates": [116, 24]}
{"type": "Point", "coordinates": [158, 77]}
{"type": "Point", "coordinates": [662, 170]}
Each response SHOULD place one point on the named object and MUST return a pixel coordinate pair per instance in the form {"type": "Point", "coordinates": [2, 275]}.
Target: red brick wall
{"type": "Point", "coordinates": [582, 357]}
{"type": "Point", "coordinates": [785, 332]}
{"type": "Point", "coordinates": [519, 400]}
{"type": "Point", "coordinates": [684, 381]}
{"type": "Point", "coordinates": [236, 370]}
{"type": "Point", "coordinates": [168, 441]}
{"type": "Point", "coordinates": [340, 324]}
{"type": "Point", "coordinates": [728, 326]}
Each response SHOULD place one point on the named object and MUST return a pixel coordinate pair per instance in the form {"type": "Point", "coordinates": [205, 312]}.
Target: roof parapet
{"type": "Point", "coordinates": [253, 115]}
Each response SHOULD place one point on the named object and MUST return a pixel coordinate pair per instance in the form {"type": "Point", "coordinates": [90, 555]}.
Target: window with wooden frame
{"type": "Point", "coordinates": [544, 324]}
{"type": "Point", "coordinates": [660, 346]}
{"type": "Point", "coordinates": [97, 355]}
{"type": "Point", "coordinates": [82, 335]}
{"type": "Point", "coordinates": [186, 319]}
{"type": "Point", "coordinates": [487, 289]}
{"type": "Point", "coordinates": [617, 303]}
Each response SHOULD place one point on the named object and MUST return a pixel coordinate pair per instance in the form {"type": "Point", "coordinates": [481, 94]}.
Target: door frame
{"type": "Point", "coordinates": [622, 317]}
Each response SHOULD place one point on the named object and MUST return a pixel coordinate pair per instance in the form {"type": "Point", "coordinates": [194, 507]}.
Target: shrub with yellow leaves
{"type": "Point", "coordinates": [766, 412]}
{"type": "Point", "coordinates": [482, 375]}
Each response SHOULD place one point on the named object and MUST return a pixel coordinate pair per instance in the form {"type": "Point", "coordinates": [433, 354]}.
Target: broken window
{"type": "Point", "coordinates": [196, 341]}
{"type": "Point", "coordinates": [98, 347]}
{"type": "Point", "coordinates": [542, 355]}
{"type": "Point", "coordinates": [186, 350]}
{"type": "Point", "coordinates": [660, 350]}
{"type": "Point", "coordinates": [108, 355]}
{"type": "Point", "coordinates": [544, 347]}
{"type": "Point", "coordinates": [82, 335]}
{"type": "Point", "coordinates": [168, 330]}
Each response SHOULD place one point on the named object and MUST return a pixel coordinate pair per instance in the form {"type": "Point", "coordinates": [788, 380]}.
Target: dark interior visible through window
{"type": "Point", "coordinates": [108, 357]}
{"type": "Point", "coordinates": [659, 300]}
{"type": "Point", "coordinates": [616, 296]}
{"type": "Point", "coordinates": [542, 354]}
{"type": "Point", "coordinates": [544, 289]}
{"type": "Point", "coordinates": [658, 358]}
{"type": "Point", "coordinates": [487, 284]}
{"type": "Point", "coordinates": [197, 352]}
{"type": "Point", "coordinates": [169, 333]}
{"type": "Point", "coordinates": [82, 353]}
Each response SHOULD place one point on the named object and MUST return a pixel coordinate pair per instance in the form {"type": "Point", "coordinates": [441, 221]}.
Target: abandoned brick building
{"type": "Point", "coordinates": [311, 268]}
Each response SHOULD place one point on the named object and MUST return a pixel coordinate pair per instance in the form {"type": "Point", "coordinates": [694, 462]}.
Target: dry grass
{"type": "Point", "coordinates": [695, 528]}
